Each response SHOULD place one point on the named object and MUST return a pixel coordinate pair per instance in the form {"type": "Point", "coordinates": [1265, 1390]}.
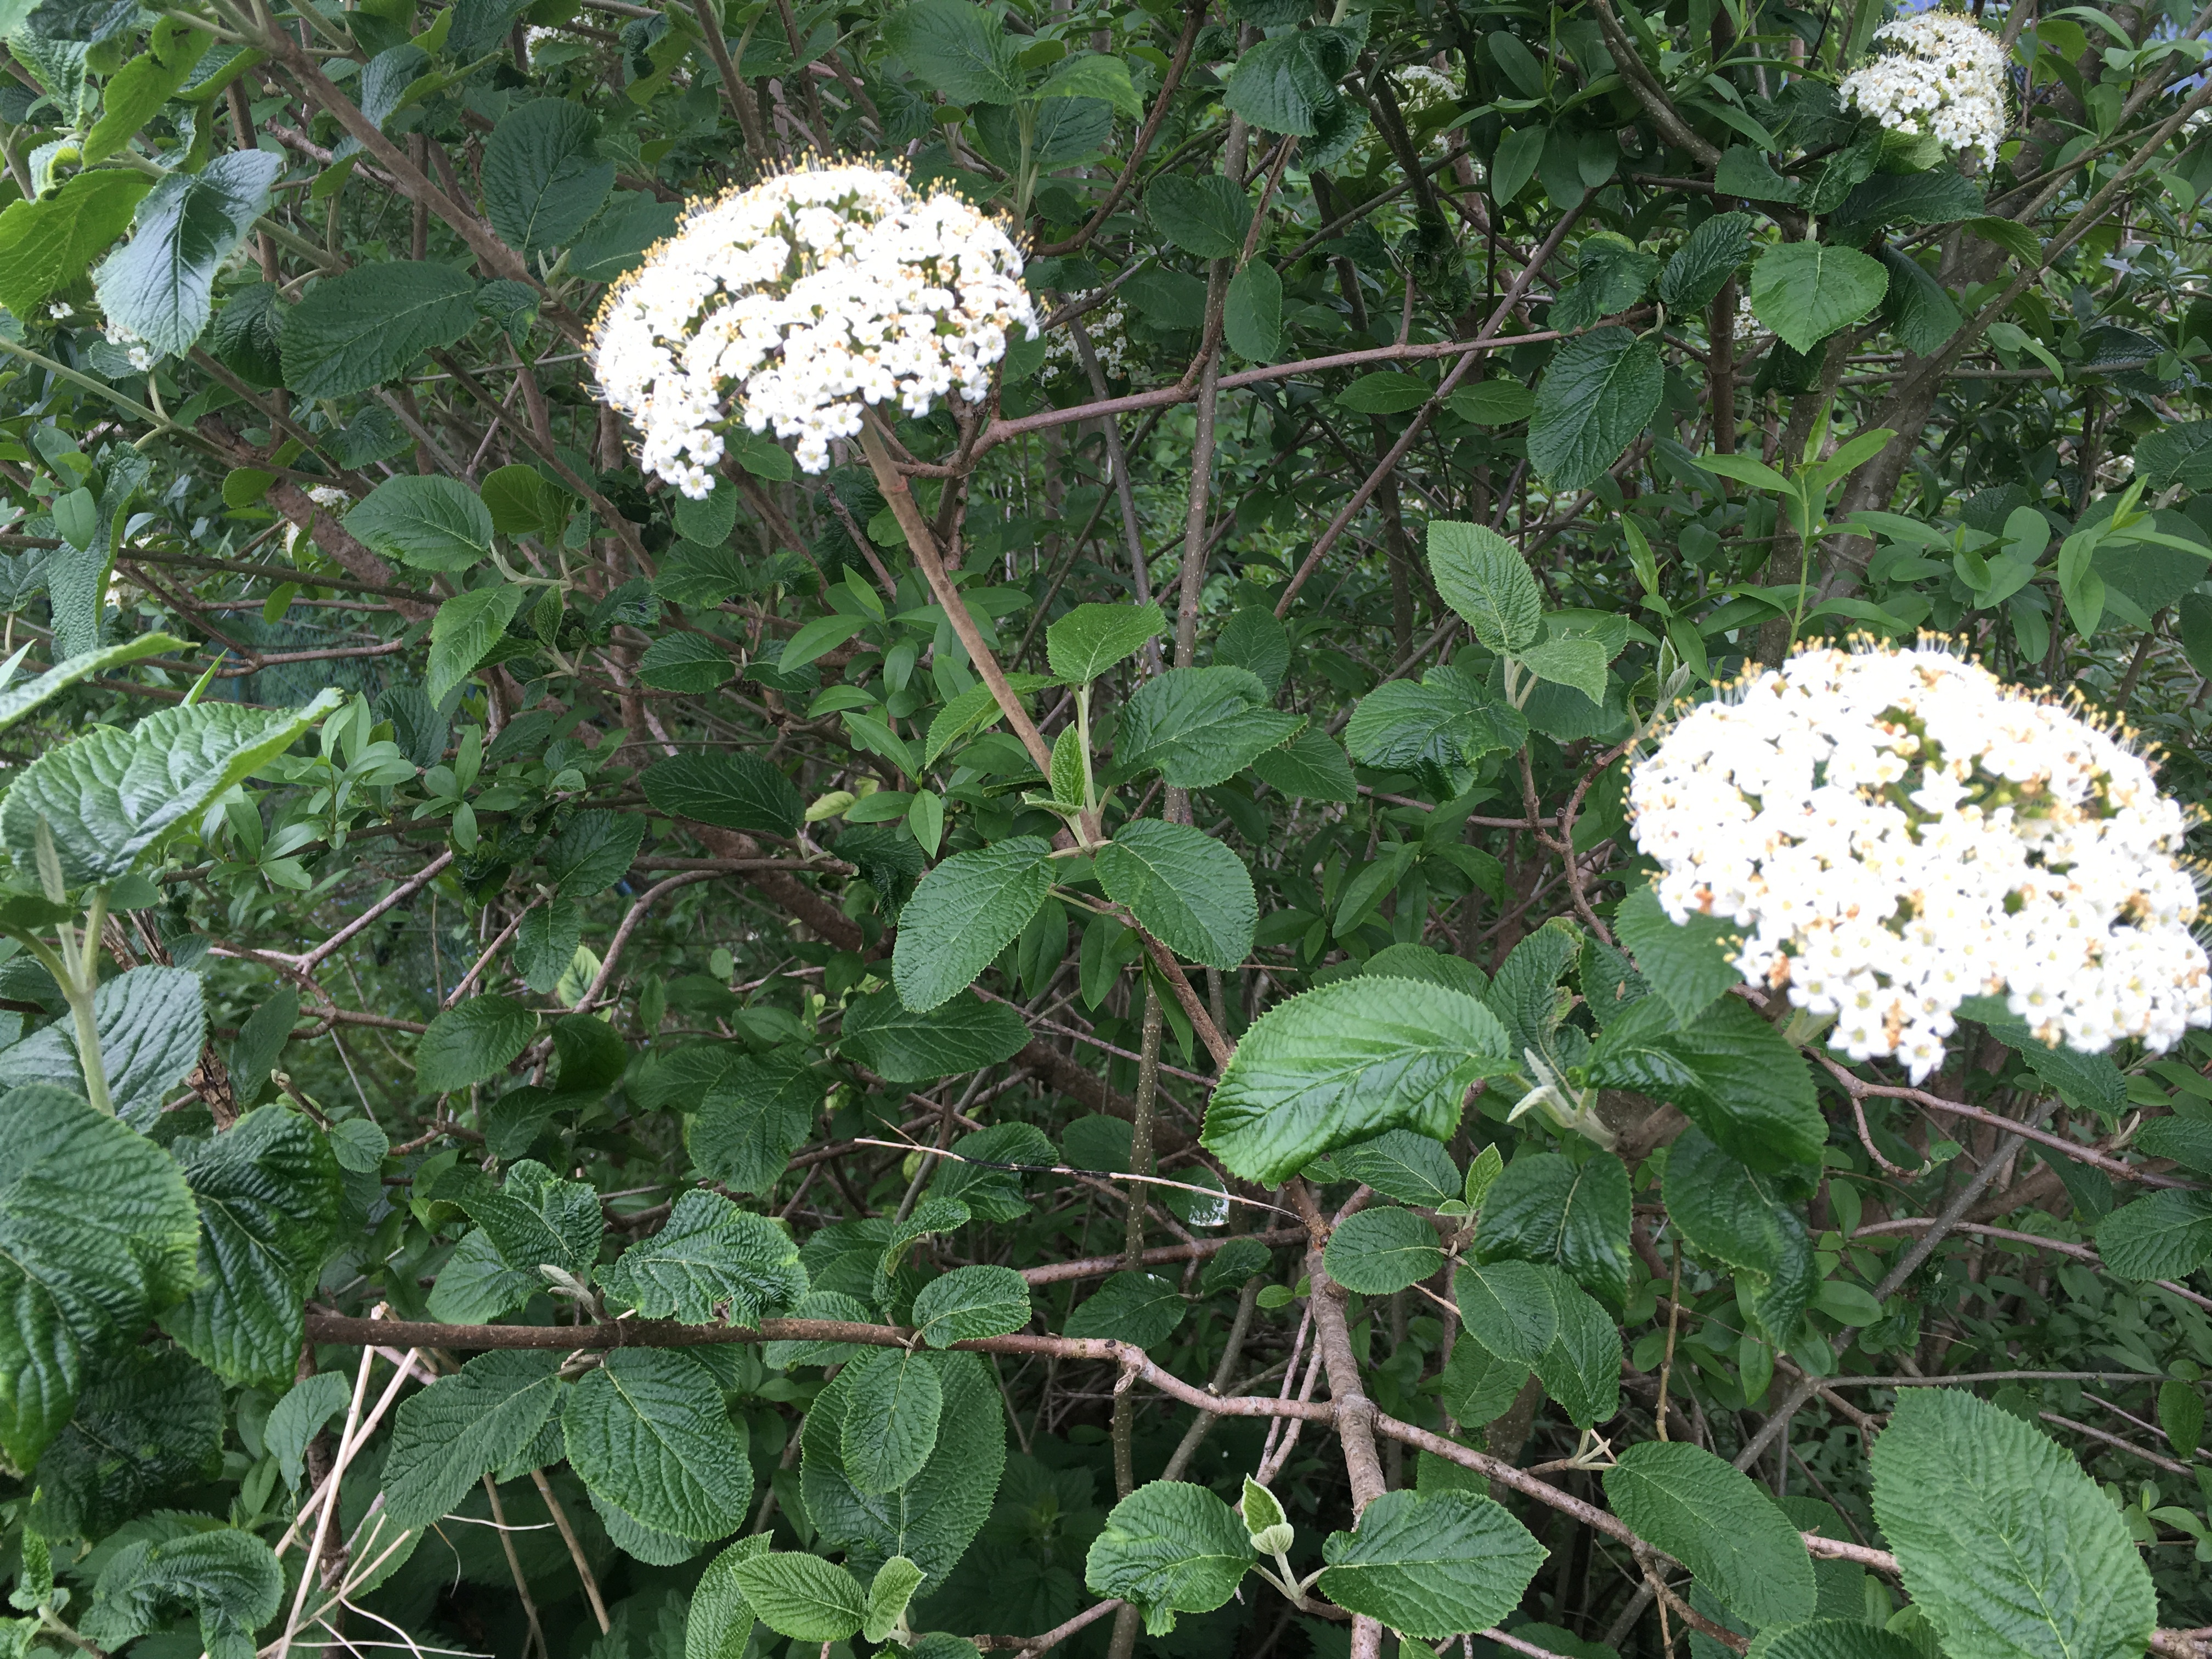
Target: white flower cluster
{"type": "Point", "coordinates": [794, 303]}
{"type": "Point", "coordinates": [1947, 77]}
{"type": "Point", "coordinates": [1421, 90]}
{"type": "Point", "coordinates": [1748, 329]}
{"type": "Point", "coordinates": [140, 354]}
{"type": "Point", "coordinates": [1897, 830]}
{"type": "Point", "coordinates": [1108, 325]}
{"type": "Point", "coordinates": [328, 496]}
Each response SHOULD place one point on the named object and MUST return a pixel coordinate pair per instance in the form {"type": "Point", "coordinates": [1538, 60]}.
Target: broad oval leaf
{"type": "Point", "coordinates": [730, 792]}
{"type": "Point", "coordinates": [472, 1042]}
{"type": "Point", "coordinates": [1719, 1523]}
{"type": "Point", "coordinates": [972, 1302]}
{"type": "Point", "coordinates": [1379, 1250]}
{"type": "Point", "coordinates": [462, 1427]}
{"type": "Point", "coordinates": [357, 331]}
{"type": "Point", "coordinates": [432, 524]}
{"type": "Point", "coordinates": [963, 914]}
{"type": "Point", "coordinates": [1186, 889]}
{"type": "Point", "coordinates": [1170, 1547]}
{"type": "Point", "coordinates": [890, 1418]}
{"type": "Point", "coordinates": [1431, 1566]}
{"type": "Point", "coordinates": [1345, 1062]}
{"type": "Point", "coordinates": [1805, 291]}
{"type": "Point", "coordinates": [1601, 390]}
{"type": "Point", "coordinates": [648, 1433]}
{"type": "Point", "coordinates": [161, 285]}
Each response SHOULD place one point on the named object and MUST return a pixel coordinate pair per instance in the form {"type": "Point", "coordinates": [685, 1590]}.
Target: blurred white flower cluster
{"type": "Point", "coordinates": [140, 354]}
{"type": "Point", "coordinates": [1947, 78]}
{"type": "Point", "coordinates": [1421, 90]}
{"type": "Point", "coordinates": [791, 304]}
{"type": "Point", "coordinates": [1898, 831]}
{"type": "Point", "coordinates": [1107, 325]}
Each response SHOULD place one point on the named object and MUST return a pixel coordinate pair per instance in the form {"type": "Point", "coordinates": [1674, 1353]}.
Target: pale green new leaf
{"type": "Point", "coordinates": [1805, 291]}
{"type": "Point", "coordinates": [1092, 638]}
{"type": "Point", "coordinates": [152, 1023]}
{"type": "Point", "coordinates": [1170, 1547]}
{"type": "Point", "coordinates": [17, 701]}
{"type": "Point", "coordinates": [801, 1596]}
{"type": "Point", "coordinates": [1432, 1566]}
{"type": "Point", "coordinates": [1186, 889]}
{"type": "Point", "coordinates": [1483, 577]}
{"type": "Point", "coordinates": [963, 915]}
{"type": "Point", "coordinates": [1345, 1062]}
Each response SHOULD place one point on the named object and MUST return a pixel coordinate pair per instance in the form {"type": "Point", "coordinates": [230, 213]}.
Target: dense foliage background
{"type": "Point", "coordinates": [530, 991]}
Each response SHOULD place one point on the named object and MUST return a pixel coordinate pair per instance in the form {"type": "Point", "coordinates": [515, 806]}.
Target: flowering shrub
{"type": "Point", "coordinates": [795, 304]}
{"type": "Point", "coordinates": [1899, 831]}
{"type": "Point", "coordinates": [1945, 79]}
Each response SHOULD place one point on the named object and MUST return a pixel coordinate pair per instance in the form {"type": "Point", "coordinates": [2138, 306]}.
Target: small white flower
{"type": "Point", "coordinates": [1106, 323]}
{"type": "Point", "coordinates": [1898, 831]}
{"type": "Point", "coordinates": [1421, 90]}
{"type": "Point", "coordinates": [1945, 78]}
{"type": "Point", "coordinates": [140, 354]}
{"type": "Point", "coordinates": [328, 496]}
{"type": "Point", "coordinates": [61, 311]}
{"type": "Point", "coordinates": [796, 303]}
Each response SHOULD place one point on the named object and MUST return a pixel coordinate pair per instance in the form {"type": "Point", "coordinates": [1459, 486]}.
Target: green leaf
{"type": "Point", "coordinates": [461, 1428]}
{"type": "Point", "coordinates": [1382, 1250]}
{"type": "Point", "coordinates": [719, 1622]}
{"type": "Point", "coordinates": [1574, 661]}
{"type": "Point", "coordinates": [1168, 1547]}
{"type": "Point", "coordinates": [1252, 312]}
{"type": "Point", "coordinates": [1492, 403]}
{"type": "Point", "coordinates": [1572, 1216]}
{"type": "Point", "coordinates": [2008, 1549]}
{"type": "Point", "coordinates": [1706, 259]}
{"type": "Point", "coordinates": [464, 630]}
{"type": "Point", "coordinates": [730, 792]}
{"type": "Point", "coordinates": [955, 1037]}
{"type": "Point", "coordinates": [269, 1195]}
{"type": "Point", "coordinates": [801, 1596]}
{"type": "Point", "coordinates": [1092, 638]}
{"type": "Point", "coordinates": [541, 178]}
{"type": "Point", "coordinates": [357, 331]}
{"type": "Point", "coordinates": [1280, 86]}
{"type": "Point", "coordinates": [1401, 1164]}
{"type": "Point", "coordinates": [533, 1216]}
{"type": "Point", "coordinates": [2186, 1140]}
{"type": "Point", "coordinates": [971, 1302]}
{"type": "Point", "coordinates": [1200, 727]}
{"type": "Point", "coordinates": [1430, 1567]}
{"type": "Point", "coordinates": [1139, 1308]}
{"type": "Point", "coordinates": [2165, 1235]}
{"type": "Point", "coordinates": [890, 1418]}
{"type": "Point", "coordinates": [1311, 765]}
{"type": "Point", "coordinates": [889, 1596]}
{"type": "Point", "coordinates": [477, 1285]}
{"type": "Point", "coordinates": [648, 1433]}
{"type": "Point", "coordinates": [1477, 1386]}
{"type": "Point", "coordinates": [963, 914]}
{"type": "Point", "coordinates": [1207, 215]}
{"type": "Point", "coordinates": [1739, 1079]}
{"type": "Point", "coordinates": [1728, 1213]}
{"type": "Point", "coordinates": [1483, 577]}
{"type": "Point", "coordinates": [1836, 1638]}
{"type": "Point", "coordinates": [51, 241]}
{"type": "Point", "coordinates": [472, 1042]}
{"type": "Point", "coordinates": [161, 285]}
{"type": "Point", "coordinates": [709, 1253]}
{"type": "Point", "coordinates": [229, 1579]}
{"type": "Point", "coordinates": [2181, 1416]}
{"type": "Point", "coordinates": [1688, 965]}
{"type": "Point", "coordinates": [691, 663]}
{"type": "Point", "coordinates": [593, 853]}
{"type": "Point", "coordinates": [432, 524]}
{"type": "Point", "coordinates": [17, 701]}
{"type": "Point", "coordinates": [1186, 889]}
{"type": "Point", "coordinates": [1597, 393]}
{"type": "Point", "coordinates": [112, 796]}
{"type": "Point", "coordinates": [1718, 1523]}
{"type": "Point", "coordinates": [148, 1424]}
{"type": "Point", "coordinates": [957, 50]}
{"type": "Point", "coordinates": [1345, 1062]}
{"type": "Point", "coordinates": [1806, 291]}
{"type": "Point", "coordinates": [993, 1195]}
{"type": "Point", "coordinates": [1581, 1369]}
{"type": "Point", "coordinates": [308, 1407]}
{"type": "Point", "coordinates": [1093, 74]}
{"type": "Point", "coordinates": [152, 1023]}
{"type": "Point", "coordinates": [751, 1119]}
{"type": "Point", "coordinates": [933, 1517]}
{"type": "Point", "coordinates": [1508, 1308]}
{"type": "Point", "coordinates": [1445, 720]}
{"type": "Point", "coordinates": [1387, 391]}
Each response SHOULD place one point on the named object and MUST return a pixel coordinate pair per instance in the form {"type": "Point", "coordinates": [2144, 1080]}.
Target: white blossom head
{"type": "Point", "coordinates": [1107, 324]}
{"type": "Point", "coordinates": [140, 355]}
{"type": "Point", "coordinates": [1897, 830]}
{"type": "Point", "coordinates": [1944, 77]}
{"type": "Point", "coordinates": [792, 305]}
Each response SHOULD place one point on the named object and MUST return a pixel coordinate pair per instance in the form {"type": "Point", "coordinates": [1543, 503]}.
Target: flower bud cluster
{"type": "Point", "coordinates": [792, 305]}
{"type": "Point", "coordinates": [1947, 77]}
{"type": "Point", "coordinates": [1896, 830]}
